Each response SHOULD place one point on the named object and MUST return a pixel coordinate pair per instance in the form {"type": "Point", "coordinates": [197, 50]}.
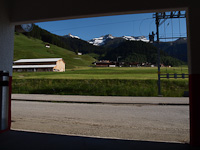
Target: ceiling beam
{"type": "Point", "coordinates": [24, 11]}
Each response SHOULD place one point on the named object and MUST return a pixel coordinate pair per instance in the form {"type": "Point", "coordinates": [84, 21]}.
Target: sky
{"type": "Point", "coordinates": [119, 25]}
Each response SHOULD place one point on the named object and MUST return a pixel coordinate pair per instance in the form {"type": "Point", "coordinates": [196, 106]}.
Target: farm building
{"type": "Point", "coordinates": [105, 63]}
{"type": "Point", "coordinates": [39, 65]}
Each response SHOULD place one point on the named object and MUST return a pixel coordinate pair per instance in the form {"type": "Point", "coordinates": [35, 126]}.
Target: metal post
{"type": "Point", "coordinates": [167, 75]}
{"type": "Point", "coordinates": [1, 87]}
{"type": "Point", "coordinates": [183, 75]}
{"type": "Point", "coordinates": [4, 102]}
{"type": "Point", "coordinates": [175, 76]}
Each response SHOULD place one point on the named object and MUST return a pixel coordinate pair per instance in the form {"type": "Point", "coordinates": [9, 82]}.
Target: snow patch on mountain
{"type": "Point", "coordinates": [132, 38]}
{"type": "Point", "coordinates": [129, 38]}
{"type": "Point", "coordinates": [101, 40]}
{"type": "Point", "coordinates": [71, 36]}
{"type": "Point", "coordinates": [142, 38]}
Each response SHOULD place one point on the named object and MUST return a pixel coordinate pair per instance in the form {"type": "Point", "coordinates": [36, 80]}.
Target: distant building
{"type": "Point", "coordinates": [105, 63]}
{"type": "Point", "coordinates": [102, 64]}
{"type": "Point", "coordinates": [134, 64]}
{"type": "Point", "coordinates": [47, 45]}
{"type": "Point", "coordinates": [39, 65]}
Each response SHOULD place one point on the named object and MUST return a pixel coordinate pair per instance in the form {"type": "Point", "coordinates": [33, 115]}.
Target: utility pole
{"type": "Point", "coordinates": [158, 41]}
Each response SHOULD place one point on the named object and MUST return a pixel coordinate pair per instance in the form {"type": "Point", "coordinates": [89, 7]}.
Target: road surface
{"type": "Point", "coordinates": [136, 122]}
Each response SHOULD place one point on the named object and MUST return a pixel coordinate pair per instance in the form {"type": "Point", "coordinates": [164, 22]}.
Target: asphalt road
{"type": "Point", "coordinates": [137, 122]}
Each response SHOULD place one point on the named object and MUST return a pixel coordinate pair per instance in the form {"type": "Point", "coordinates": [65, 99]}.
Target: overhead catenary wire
{"type": "Point", "coordinates": [142, 20]}
{"type": "Point", "coordinates": [169, 17]}
{"type": "Point", "coordinates": [150, 26]}
{"type": "Point", "coordinates": [103, 24]}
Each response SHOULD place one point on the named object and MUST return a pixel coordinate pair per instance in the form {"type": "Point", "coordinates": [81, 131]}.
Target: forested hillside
{"type": "Point", "coordinates": [177, 49]}
{"type": "Point", "coordinates": [72, 44]}
{"type": "Point", "coordinates": [138, 51]}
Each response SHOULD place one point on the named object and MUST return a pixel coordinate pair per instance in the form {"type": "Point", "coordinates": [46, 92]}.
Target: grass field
{"type": "Point", "coordinates": [101, 81]}
{"type": "Point", "coordinates": [101, 87]}
{"type": "Point", "coordinates": [141, 73]}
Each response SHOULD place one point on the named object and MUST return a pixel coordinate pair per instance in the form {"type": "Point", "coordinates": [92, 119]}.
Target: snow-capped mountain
{"type": "Point", "coordinates": [139, 38]}
{"type": "Point", "coordinates": [101, 40]}
{"type": "Point", "coordinates": [71, 36]}
{"type": "Point", "coordinates": [104, 39]}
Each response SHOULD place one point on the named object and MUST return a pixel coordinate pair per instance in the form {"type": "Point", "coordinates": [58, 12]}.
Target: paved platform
{"type": "Point", "coordinates": [16, 139]}
{"type": "Point", "coordinates": [25, 140]}
{"type": "Point", "coordinates": [102, 99]}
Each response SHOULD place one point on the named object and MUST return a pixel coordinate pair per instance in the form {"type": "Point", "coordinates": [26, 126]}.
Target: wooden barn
{"type": "Point", "coordinates": [39, 65]}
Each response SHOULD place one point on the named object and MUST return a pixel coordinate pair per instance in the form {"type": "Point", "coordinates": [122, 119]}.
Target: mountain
{"type": "Point", "coordinates": [177, 49]}
{"type": "Point", "coordinates": [132, 38]}
{"type": "Point", "coordinates": [103, 40]}
{"type": "Point", "coordinates": [181, 40]}
{"type": "Point", "coordinates": [77, 45]}
{"type": "Point", "coordinates": [71, 36]}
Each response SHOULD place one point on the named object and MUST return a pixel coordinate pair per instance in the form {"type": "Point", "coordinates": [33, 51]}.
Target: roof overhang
{"type": "Point", "coordinates": [32, 66]}
{"type": "Point", "coordinates": [23, 11]}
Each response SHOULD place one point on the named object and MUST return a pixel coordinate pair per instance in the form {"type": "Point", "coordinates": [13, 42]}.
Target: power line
{"type": "Point", "coordinates": [101, 24]}
{"type": "Point", "coordinates": [141, 24]}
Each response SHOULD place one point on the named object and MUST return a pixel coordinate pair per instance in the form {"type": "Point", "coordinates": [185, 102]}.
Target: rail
{"type": "Point", "coordinates": [174, 75]}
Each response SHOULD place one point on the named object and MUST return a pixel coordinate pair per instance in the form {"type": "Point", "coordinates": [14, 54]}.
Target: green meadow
{"type": "Point", "coordinates": [101, 81]}
{"type": "Point", "coordinates": [136, 73]}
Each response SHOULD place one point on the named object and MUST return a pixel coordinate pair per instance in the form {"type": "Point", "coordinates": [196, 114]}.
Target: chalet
{"type": "Point", "coordinates": [39, 65]}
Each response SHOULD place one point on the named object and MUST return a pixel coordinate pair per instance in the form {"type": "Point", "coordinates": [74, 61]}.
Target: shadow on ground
{"type": "Point", "coordinates": [42, 141]}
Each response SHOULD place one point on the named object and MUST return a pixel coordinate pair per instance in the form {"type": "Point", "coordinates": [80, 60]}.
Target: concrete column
{"type": "Point", "coordinates": [6, 49]}
{"type": "Point", "coordinates": [193, 24]}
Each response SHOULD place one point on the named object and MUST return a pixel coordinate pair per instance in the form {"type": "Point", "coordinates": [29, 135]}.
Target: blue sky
{"type": "Point", "coordinates": [119, 25]}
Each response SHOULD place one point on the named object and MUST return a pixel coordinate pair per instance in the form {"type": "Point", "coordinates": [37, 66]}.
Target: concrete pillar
{"type": "Point", "coordinates": [6, 49]}
{"type": "Point", "coordinates": [193, 16]}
